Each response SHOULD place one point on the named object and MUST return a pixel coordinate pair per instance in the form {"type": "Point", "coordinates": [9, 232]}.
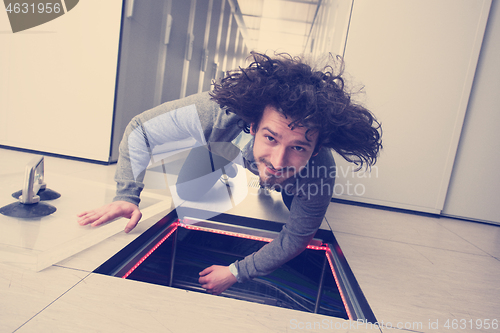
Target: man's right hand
{"type": "Point", "coordinates": [111, 211]}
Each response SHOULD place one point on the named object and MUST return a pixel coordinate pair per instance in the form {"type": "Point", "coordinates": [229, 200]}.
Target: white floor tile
{"type": "Point", "coordinates": [485, 237]}
{"type": "Point", "coordinates": [408, 283]}
{"type": "Point", "coordinates": [57, 236]}
{"type": "Point", "coordinates": [396, 226]}
{"type": "Point", "coordinates": [106, 304]}
{"type": "Point", "coordinates": [94, 256]}
{"type": "Point", "coordinates": [23, 294]}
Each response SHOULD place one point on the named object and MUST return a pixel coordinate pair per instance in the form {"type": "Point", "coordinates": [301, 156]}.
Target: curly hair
{"type": "Point", "coordinates": [314, 99]}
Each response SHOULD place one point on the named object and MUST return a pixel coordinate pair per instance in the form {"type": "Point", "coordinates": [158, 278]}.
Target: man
{"type": "Point", "coordinates": [295, 115]}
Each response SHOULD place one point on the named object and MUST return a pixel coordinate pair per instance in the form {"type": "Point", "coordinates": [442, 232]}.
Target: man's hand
{"type": "Point", "coordinates": [215, 279]}
{"type": "Point", "coordinates": [111, 211]}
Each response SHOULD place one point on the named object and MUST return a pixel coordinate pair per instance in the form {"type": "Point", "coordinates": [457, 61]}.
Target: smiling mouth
{"type": "Point", "coordinates": [273, 171]}
{"type": "Point", "coordinates": [278, 175]}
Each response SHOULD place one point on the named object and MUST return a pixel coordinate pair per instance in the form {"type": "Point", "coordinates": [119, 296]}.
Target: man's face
{"type": "Point", "coordinates": [279, 151]}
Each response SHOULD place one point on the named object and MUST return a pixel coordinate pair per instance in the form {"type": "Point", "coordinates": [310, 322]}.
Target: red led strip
{"type": "Point", "coordinates": [227, 233]}
{"type": "Point", "coordinates": [239, 235]}
{"type": "Point", "coordinates": [192, 227]}
{"type": "Point", "coordinates": [313, 247]}
{"type": "Point", "coordinates": [175, 224]}
{"type": "Point", "coordinates": [235, 234]}
{"type": "Point", "coordinates": [338, 285]}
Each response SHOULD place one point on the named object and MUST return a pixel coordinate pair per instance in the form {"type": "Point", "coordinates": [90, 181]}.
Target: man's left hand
{"type": "Point", "coordinates": [215, 279]}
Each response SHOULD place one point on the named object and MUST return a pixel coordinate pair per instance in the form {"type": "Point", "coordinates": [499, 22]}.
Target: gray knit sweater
{"type": "Point", "coordinates": [197, 117]}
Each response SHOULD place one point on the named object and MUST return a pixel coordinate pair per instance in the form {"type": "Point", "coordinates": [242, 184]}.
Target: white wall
{"type": "Point", "coordinates": [57, 81]}
{"type": "Point", "coordinates": [416, 59]}
{"type": "Point", "coordinates": [474, 190]}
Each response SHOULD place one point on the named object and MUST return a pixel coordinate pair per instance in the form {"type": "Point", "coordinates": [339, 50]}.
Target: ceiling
{"type": "Point", "coordinates": [278, 25]}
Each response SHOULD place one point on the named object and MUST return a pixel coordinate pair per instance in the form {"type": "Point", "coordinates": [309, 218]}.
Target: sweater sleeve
{"type": "Point", "coordinates": [167, 123]}
{"type": "Point", "coordinates": [306, 215]}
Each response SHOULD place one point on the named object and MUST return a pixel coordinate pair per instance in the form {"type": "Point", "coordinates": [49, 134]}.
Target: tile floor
{"type": "Point", "coordinates": [418, 272]}
{"type": "Point", "coordinates": [421, 269]}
